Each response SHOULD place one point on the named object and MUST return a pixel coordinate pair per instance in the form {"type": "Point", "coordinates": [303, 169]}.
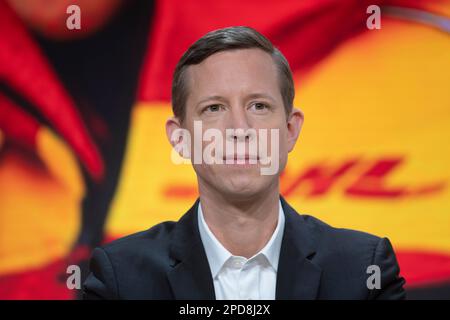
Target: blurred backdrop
{"type": "Point", "coordinates": [83, 152]}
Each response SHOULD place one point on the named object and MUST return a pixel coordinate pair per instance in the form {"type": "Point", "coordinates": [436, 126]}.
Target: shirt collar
{"type": "Point", "coordinates": [217, 254]}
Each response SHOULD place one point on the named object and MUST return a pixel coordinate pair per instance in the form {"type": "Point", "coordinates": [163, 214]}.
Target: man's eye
{"type": "Point", "coordinates": [258, 106]}
{"type": "Point", "coordinates": [212, 108]}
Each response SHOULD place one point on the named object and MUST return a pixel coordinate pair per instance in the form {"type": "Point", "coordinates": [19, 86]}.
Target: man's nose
{"type": "Point", "coordinates": [239, 122]}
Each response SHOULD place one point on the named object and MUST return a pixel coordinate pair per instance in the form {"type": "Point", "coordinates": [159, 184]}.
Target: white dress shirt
{"type": "Point", "coordinates": [237, 277]}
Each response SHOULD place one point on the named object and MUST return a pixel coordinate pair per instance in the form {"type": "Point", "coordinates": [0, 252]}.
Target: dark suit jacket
{"type": "Point", "coordinates": [316, 261]}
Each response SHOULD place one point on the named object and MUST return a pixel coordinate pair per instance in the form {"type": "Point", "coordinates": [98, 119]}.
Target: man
{"type": "Point", "coordinates": [241, 240]}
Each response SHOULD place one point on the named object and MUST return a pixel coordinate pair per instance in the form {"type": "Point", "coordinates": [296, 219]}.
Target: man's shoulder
{"type": "Point", "coordinates": [347, 257]}
{"type": "Point", "coordinates": [325, 237]}
{"type": "Point", "coordinates": [155, 239]}
{"type": "Point", "coordinates": [132, 267]}
{"type": "Point", "coordinates": [342, 244]}
{"type": "Point", "coordinates": [345, 236]}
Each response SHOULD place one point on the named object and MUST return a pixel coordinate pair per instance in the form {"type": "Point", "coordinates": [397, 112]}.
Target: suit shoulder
{"type": "Point", "coordinates": [134, 266]}
{"type": "Point", "coordinates": [157, 237]}
{"type": "Point", "coordinates": [345, 255]}
{"type": "Point", "coordinates": [344, 243]}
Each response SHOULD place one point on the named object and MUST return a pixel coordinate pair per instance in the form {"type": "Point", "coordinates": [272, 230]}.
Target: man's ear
{"type": "Point", "coordinates": [172, 124]}
{"type": "Point", "coordinates": [294, 126]}
{"type": "Point", "coordinates": [180, 139]}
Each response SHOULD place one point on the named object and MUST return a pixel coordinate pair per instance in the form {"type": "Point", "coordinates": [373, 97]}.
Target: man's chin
{"type": "Point", "coordinates": [243, 190]}
{"type": "Point", "coordinates": [239, 184]}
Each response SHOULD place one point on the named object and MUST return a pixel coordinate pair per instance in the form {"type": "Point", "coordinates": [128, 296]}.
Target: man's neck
{"type": "Point", "coordinates": [242, 226]}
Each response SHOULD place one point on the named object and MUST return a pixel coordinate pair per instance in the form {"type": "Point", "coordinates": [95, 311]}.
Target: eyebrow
{"type": "Point", "coordinates": [250, 96]}
{"type": "Point", "coordinates": [220, 98]}
{"type": "Point", "coordinates": [260, 95]}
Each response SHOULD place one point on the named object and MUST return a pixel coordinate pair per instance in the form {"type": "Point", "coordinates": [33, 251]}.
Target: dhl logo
{"type": "Point", "coordinates": [355, 177]}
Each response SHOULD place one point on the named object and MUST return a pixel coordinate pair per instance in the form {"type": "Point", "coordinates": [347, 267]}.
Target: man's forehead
{"type": "Point", "coordinates": [252, 57]}
{"type": "Point", "coordinates": [232, 68]}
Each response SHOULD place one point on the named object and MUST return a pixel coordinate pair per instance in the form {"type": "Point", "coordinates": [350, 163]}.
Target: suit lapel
{"type": "Point", "coordinates": [191, 276]}
{"type": "Point", "coordinates": [297, 276]}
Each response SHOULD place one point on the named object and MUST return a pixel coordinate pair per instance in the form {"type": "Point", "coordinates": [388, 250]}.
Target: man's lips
{"type": "Point", "coordinates": [245, 158]}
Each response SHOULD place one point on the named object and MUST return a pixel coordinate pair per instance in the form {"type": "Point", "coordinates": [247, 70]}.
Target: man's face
{"type": "Point", "coordinates": [239, 89]}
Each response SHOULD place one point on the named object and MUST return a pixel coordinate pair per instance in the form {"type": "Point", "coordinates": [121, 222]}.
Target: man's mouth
{"type": "Point", "coordinates": [240, 159]}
